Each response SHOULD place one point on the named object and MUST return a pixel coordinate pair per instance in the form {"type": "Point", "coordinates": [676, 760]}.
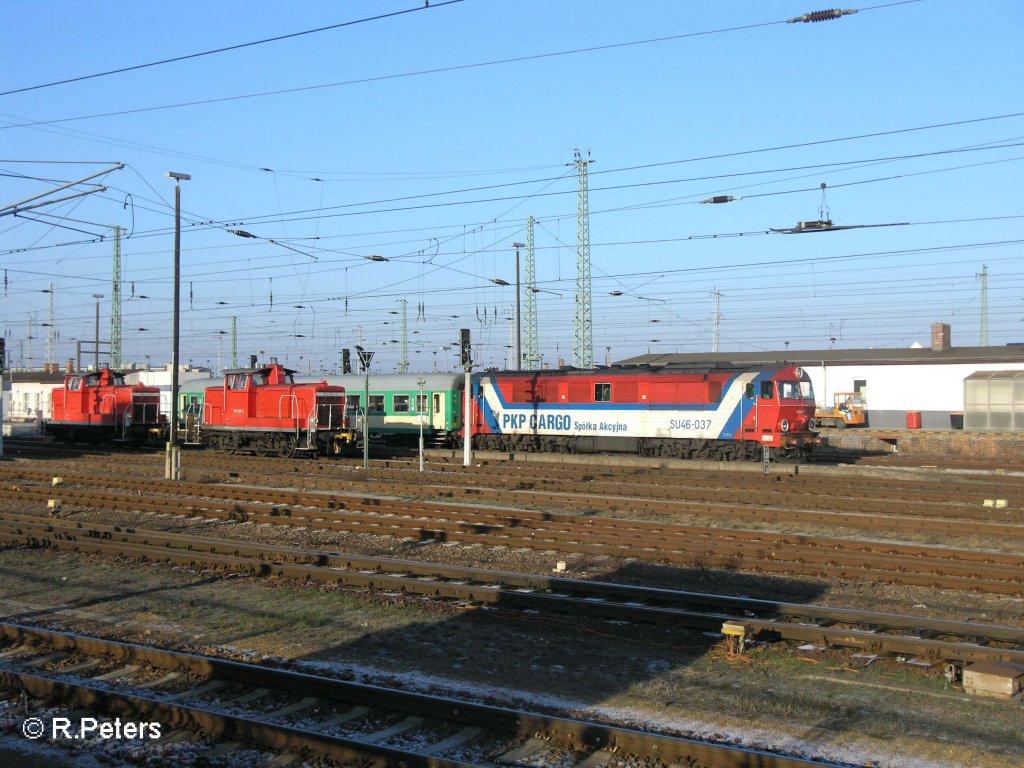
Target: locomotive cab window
{"type": "Point", "coordinates": [749, 392]}
{"type": "Point", "coordinates": [790, 390]}
{"type": "Point", "coordinates": [602, 393]}
{"type": "Point", "coordinates": [75, 384]}
{"type": "Point", "coordinates": [239, 380]}
{"type": "Point", "coordinates": [401, 403]}
{"type": "Point", "coordinates": [767, 390]}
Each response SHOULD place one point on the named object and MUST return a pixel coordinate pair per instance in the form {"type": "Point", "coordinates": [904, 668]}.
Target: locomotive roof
{"type": "Point", "coordinates": [817, 357]}
{"type": "Point", "coordinates": [643, 369]}
{"type": "Point", "coordinates": [257, 369]}
{"type": "Point", "coordinates": [356, 382]}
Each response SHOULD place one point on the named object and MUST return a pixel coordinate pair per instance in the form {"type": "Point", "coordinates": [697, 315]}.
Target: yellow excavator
{"type": "Point", "coordinates": [848, 410]}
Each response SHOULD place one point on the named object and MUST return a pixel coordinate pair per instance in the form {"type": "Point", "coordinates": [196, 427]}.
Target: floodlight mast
{"type": "Point", "coordinates": [172, 470]}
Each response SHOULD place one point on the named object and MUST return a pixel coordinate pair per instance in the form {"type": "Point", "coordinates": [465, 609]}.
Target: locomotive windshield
{"type": "Point", "coordinates": [796, 390]}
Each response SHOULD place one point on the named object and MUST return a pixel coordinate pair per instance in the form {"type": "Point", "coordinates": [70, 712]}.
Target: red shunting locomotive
{"type": "Point", "coordinates": [99, 408]}
{"type": "Point", "coordinates": [263, 411]}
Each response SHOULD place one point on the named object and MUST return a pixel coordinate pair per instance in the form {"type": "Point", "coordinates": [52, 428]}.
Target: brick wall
{"type": "Point", "coordinates": [932, 443]}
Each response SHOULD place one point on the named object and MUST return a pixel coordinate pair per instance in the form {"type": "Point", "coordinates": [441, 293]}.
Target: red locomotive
{"type": "Point", "coordinates": [696, 412]}
{"type": "Point", "coordinates": [100, 408]}
{"type": "Point", "coordinates": [263, 411]}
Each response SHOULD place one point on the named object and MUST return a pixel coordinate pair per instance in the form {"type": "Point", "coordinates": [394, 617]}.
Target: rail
{"type": "Point", "coordinates": [219, 693]}
{"type": "Point", "coordinates": [873, 632]}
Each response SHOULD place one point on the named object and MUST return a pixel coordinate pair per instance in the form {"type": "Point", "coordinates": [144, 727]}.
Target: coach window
{"type": "Point", "coordinates": [602, 393]}
{"type": "Point", "coordinates": [422, 403]}
{"type": "Point", "coordinates": [767, 390]}
{"type": "Point", "coordinates": [376, 403]}
{"type": "Point", "coordinates": [401, 403]}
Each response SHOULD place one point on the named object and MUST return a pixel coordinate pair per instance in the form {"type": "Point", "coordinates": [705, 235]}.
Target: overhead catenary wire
{"type": "Point", "coordinates": [228, 48]}
{"type": "Point", "coordinates": [432, 71]}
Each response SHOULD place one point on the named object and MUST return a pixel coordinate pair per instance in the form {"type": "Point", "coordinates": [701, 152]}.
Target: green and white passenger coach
{"type": "Point", "coordinates": [395, 406]}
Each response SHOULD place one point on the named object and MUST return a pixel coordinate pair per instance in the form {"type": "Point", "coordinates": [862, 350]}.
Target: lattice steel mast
{"type": "Point", "coordinates": [983, 336]}
{"type": "Point", "coordinates": [403, 359]}
{"type": "Point", "coordinates": [115, 305]}
{"type": "Point", "coordinates": [51, 330]}
{"type": "Point", "coordinates": [583, 349]}
{"type": "Point", "coordinates": [717, 296]}
{"type": "Point", "coordinates": [530, 354]}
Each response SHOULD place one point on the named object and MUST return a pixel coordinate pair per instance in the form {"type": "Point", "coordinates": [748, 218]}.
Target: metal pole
{"type": "Point", "coordinates": [519, 314]}
{"type": "Point", "coordinates": [96, 362]}
{"type": "Point", "coordinates": [172, 443]}
{"type": "Point", "coordinates": [1, 409]}
{"type": "Point", "coordinates": [366, 418]}
{"type": "Point", "coordinates": [467, 437]}
{"type": "Point", "coordinates": [419, 409]}
{"type": "Point", "coordinates": [173, 465]}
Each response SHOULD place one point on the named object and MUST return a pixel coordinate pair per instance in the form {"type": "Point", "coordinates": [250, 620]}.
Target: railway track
{"type": "Point", "coordinates": [877, 633]}
{"type": "Point", "coordinates": [799, 554]}
{"type": "Point", "coordinates": [292, 712]}
{"type": "Point", "coordinates": [409, 491]}
{"type": "Point", "coordinates": [811, 496]}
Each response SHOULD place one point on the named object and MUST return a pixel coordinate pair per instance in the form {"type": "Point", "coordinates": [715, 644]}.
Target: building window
{"type": "Point", "coordinates": [602, 393]}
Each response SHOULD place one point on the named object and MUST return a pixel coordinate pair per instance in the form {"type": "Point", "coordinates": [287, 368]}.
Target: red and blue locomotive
{"type": "Point", "coordinates": [706, 412]}
{"type": "Point", "coordinates": [264, 411]}
{"type": "Point", "coordinates": [99, 407]}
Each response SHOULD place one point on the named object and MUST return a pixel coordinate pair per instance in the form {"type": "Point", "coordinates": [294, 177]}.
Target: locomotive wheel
{"type": "Point", "coordinates": [286, 448]}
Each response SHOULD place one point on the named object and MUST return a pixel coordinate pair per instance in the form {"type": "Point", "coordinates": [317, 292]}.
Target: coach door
{"type": "Point", "coordinates": [437, 413]}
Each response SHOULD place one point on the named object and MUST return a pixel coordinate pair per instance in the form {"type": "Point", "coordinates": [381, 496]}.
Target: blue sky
{"type": "Point", "coordinates": [427, 137]}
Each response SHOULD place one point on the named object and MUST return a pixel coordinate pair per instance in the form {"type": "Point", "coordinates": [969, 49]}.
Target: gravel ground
{"type": "Point", "coordinates": [811, 701]}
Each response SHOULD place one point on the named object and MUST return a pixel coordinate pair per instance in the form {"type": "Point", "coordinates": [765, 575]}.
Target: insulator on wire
{"type": "Point", "coordinates": [721, 199]}
{"type": "Point", "coordinates": [826, 15]}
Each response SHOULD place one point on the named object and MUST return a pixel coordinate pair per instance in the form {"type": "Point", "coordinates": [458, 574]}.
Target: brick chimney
{"type": "Point", "coordinates": [940, 337]}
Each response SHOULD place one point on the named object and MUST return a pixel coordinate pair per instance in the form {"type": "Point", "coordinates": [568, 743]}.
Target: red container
{"type": "Point", "coordinates": [913, 419]}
